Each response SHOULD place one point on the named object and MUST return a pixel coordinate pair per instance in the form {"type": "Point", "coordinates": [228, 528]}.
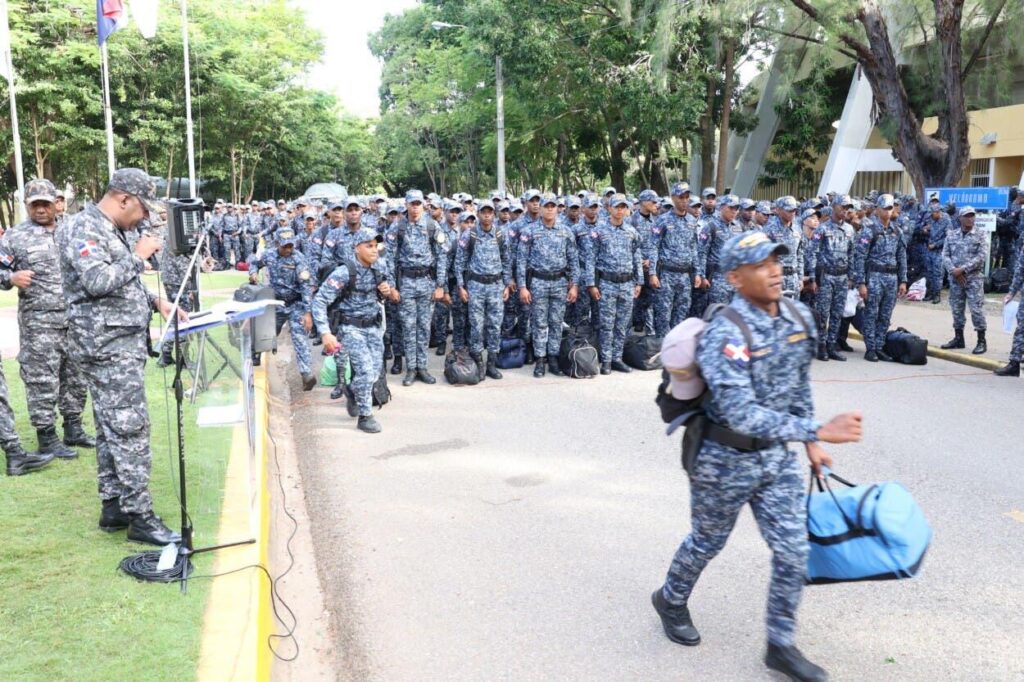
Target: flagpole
{"type": "Point", "coordinates": [188, 105]}
{"type": "Point", "coordinates": [19, 172]}
{"type": "Point", "coordinates": [105, 68]}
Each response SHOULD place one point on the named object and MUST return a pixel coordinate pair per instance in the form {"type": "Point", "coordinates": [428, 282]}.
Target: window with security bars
{"type": "Point", "coordinates": [980, 171]}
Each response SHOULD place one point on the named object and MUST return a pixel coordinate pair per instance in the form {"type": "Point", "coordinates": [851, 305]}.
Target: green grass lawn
{"type": "Point", "coordinates": [66, 612]}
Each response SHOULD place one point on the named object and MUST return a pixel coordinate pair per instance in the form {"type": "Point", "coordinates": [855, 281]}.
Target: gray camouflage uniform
{"type": "Point", "coordinates": [966, 250]}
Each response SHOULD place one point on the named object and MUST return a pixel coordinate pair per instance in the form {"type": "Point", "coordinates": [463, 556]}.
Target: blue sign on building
{"type": "Point", "coordinates": [981, 198]}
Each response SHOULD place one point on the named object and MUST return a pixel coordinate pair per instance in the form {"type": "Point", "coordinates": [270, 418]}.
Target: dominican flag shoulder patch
{"type": "Point", "coordinates": [737, 352]}
{"type": "Point", "coordinates": [85, 247]}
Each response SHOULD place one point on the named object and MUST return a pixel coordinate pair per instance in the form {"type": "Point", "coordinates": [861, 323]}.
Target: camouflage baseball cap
{"type": "Point", "coordinates": [608, 191]}
{"type": "Point", "coordinates": [591, 200]}
{"type": "Point", "coordinates": [40, 190]}
{"type": "Point", "coordinates": [286, 237]}
{"type": "Point", "coordinates": [729, 200]}
{"type": "Point", "coordinates": [967, 210]}
{"type": "Point", "coordinates": [485, 204]}
{"type": "Point", "coordinates": [414, 195]}
{"type": "Point", "coordinates": [680, 188]}
{"type": "Point", "coordinates": [618, 199]}
{"type": "Point", "coordinates": [842, 200]}
{"type": "Point", "coordinates": [648, 195]}
{"type": "Point", "coordinates": [885, 201]}
{"type": "Point", "coordinates": [365, 234]}
{"type": "Point", "coordinates": [763, 207]}
{"type": "Point", "coordinates": [548, 198]}
{"type": "Point", "coordinates": [787, 203]}
{"type": "Point", "coordinates": [137, 182]}
{"type": "Point", "coordinates": [531, 194]}
{"type": "Point", "coordinates": [747, 203]}
{"type": "Point", "coordinates": [709, 192]}
{"type": "Point", "coordinates": [748, 248]}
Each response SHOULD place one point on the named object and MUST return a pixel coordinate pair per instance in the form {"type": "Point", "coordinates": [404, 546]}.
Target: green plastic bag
{"type": "Point", "coordinates": [329, 372]}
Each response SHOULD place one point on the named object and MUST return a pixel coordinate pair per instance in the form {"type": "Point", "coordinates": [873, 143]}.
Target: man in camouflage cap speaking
{"type": "Point", "coordinates": [109, 310]}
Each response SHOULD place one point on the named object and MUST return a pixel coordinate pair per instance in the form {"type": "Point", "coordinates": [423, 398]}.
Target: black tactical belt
{"type": "Point", "coordinates": [288, 300]}
{"type": "Point", "coordinates": [681, 269]}
{"type": "Point", "coordinates": [788, 270]}
{"type": "Point", "coordinates": [734, 440]}
{"type": "Point", "coordinates": [418, 272]}
{"type": "Point", "coordinates": [361, 322]}
{"type": "Point", "coordinates": [615, 277]}
{"type": "Point", "coordinates": [483, 279]}
{"type": "Point", "coordinates": [541, 274]}
{"type": "Point", "coordinates": [836, 271]}
{"type": "Point", "coordinates": [887, 269]}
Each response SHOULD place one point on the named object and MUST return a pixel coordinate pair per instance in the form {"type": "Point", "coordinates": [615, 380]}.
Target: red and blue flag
{"type": "Point", "coordinates": [111, 16]}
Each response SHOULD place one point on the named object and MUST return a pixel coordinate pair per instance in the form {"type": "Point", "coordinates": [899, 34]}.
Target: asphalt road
{"type": "Point", "coordinates": [515, 530]}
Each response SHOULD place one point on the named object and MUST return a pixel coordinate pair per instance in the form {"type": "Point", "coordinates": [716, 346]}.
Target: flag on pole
{"type": "Point", "coordinates": [111, 16]}
{"type": "Point", "coordinates": [145, 14]}
{"type": "Point", "coordinates": [5, 42]}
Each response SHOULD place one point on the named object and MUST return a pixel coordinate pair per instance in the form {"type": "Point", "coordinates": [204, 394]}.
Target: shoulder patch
{"type": "Point", "coordinates": [85, 247]}
{"type": "Point", "coordinates": [304, 275]}
{"type": "Point", "coordinates": [735, 349]}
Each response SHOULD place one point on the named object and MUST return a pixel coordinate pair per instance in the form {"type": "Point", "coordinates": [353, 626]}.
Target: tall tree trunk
{"type": "Point", "coordinates": [618, 166]}
{"type": "Point", "coordinates": [234, 172]}
{"type": "Point", "coordinates": [728, 57]}
{"type": "Point", "coordinates": [559, 158]}
{"type": "Point", "coordinates": [707, 132]}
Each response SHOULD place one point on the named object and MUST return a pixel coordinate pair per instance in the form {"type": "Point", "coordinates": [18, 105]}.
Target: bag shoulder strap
{"type": "Point", "coordinates": [733, 316]}
{"type": "Point", "coordinates": [795, 312]}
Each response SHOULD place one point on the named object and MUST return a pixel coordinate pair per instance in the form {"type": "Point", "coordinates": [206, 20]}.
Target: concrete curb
{"type": "Point", "coordinates": [960, 358]}
{"type": "Point", "coordinates": [238, 615]}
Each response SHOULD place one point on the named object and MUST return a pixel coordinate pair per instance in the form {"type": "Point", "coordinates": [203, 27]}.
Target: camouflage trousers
{"type": "Point", "coordinates": [439, 322]}
{"type": "Point", "coordinates": [831, 302]}
{"type": "Point", "coordinates": [232, 245]}
{"type": "Point", "coordinates": [699, 302]}
{"type": "Point", "coordinates": [721, 290]}
{"type": "Point", "coordinates": [548, 309]}
{"type": "Point", "coordinates": [672, 300]}
{"type": "Point", "coordinates": [293, 314]}
{"type": "Point", "coordinates": [1017, 349]}
{"type": "Point", "coordinates": [934, 276]}
{"type": "Point", "coordinates": [584, 311]}
{"type": "Point", "coordinates": [616, 315]}
{"type": "Point", "coordinates": [365, 348]}
{"type": "Point", "coordinates": [393, 333]}
{"type": "Point", "coordinates": [723, 482]}
{"type": "Point", "coordinates": [8, 434]}
{"type": "Point", "coordinates": [485, 309]}
{"type": "Point", "coordinates": [878, 308]}
{"type": "Point", "coordinates": [415, 308]}
{"type": "Point", "coordinates": [460, 320]}
{"type": "Point", "coordinates": [52, 379]}
{"type": "Point", "coordinates": [973, 296]}
{"type": "Point", "coordinates": [123, 457]}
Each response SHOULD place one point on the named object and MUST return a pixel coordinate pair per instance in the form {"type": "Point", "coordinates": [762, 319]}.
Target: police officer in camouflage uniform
{"type": "Point", "coordinates": [547, 273]}
{"type": "Point", "coordinates": [418, 247]}
{"type": "Point", "coordinates": [880, 273]}
{"type": "Point", "coordinates": [643, 220]}
{"type": "Point", "coordinates": [484, 279]}
{"type": "Point", "coordinates": [585, 310]}
{"type": "Point", "coordinates": [613, 277]}
{"type": "Point", "coordinates": [831, 255]}
{"type": "Point", "coordinates": [19, 462]}
{"type": "Point", "coordinates": [963, 257]}
{"type": "Point", "coordinates": [109, 311]}
{"type": "Point", "coordinates": [718, 229]}
{"type": "Point", "coordinates": [676, 261]}
{"type": "Point", "coordinates": [1012, 368]}
{"type": "Point", "coordinates": [439, 324]}
{"type": "Point", "coordinates": [291, 278]}
{"type": "Point", "coordinates": [459, 309]}
{"type": "Point", "coordinates": [518, 317]}
{"type": "Point", "coordinates": [30, 261]}
{"type": "Point", "coordinates": [781, 229]}
{"type": "Point", "coordinates": [760, 400]}
{"type": "Point", "coordinates": [360, 319]}
{"type": "Point", "coordinates": [231, 231]}
{"type": "Point", "coordinates": [932, 231]}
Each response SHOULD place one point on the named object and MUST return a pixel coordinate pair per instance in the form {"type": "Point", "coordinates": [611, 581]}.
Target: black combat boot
{"type": "Point", "coordinates": [620, 366]}
{"type": "Point", "coordinates": [883, 356]}
{"type": "Point", "coordinates": [530, 357]}
{"type": "Point", "coordinates": [478, 358]}
{"type": "Point", "coordinates": [1010, 369]}
{"type": "Point", "coordinates": [789, 661]}
{"type": "Point", "coordinates": [368, 424]}
{"type": "Point", "coordinates": [338, 391]}
{"type": "Point", "coordinates": [150, 529]}
{"type": "Point", "coordinates": [822, 353]}
{"type": "Point", "coordinates": [442, 348]}
{"type": "Point", "coordinates": [675, 620]}
{"type": "Point", "coordinates": [396, 366]}
{"type": "Point", "coordinates": [956, 342]}
{"type": "Point", "coordinates": [50, 444]}
{"type": "Point", "coordinates": [553, 366]}
{"type": "Point", "coordinates": [833, 354]}
{"type": "Point", "coordinates": [540, 366]}
{"type": "Point", "coordinates": [982, 346]}
{"type": "Point", "coordinates": [606, 368]}
{"type": "Point", "coordinates": [74, 434]}
{"type": "Point", "coordinates": [871, 356]}
{"type": "Point", "coordinates": [112, 519]}
{"type": "Point", "coordinates": [308, 382]}
{"type": "Point", "coordinates": [388, 353]}
{"type": "Point", "coordinates": [492, 369]}
{"type": "Point", "coordinates": [410, 376]}
{"type": "Point", "coordinates": [20, 462]}
{"type": "Point", "coordinates": [426, 377]}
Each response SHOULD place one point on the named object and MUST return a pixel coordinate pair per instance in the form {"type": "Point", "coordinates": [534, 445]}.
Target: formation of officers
{"type": "Point", "coordinates": [492, 268]}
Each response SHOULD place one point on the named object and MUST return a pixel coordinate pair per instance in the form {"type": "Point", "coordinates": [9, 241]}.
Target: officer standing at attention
{"type": "Point", "coordinates": [419, 250]}
{"type": "Point", "coordinates": [30, 261]}
{"type": "Point", "coordinates": [781, 229]}
{"type": "Point", "coordinates": [933, 229]}
{"type": "Point", "coordinates": [676, 266]}
{"type": "Point", "coordinates": [517, 314]}
{"type": "Point", "coordinates": [231, 229]}
{"type": "Point", "coordinates": [292, 281]}
{"type": "Point", "coordinates": [880, 274]}
{"type": "Point", "coordinates": [360, 327]}
{"type": "Point", "coordinates": [109, 311]}
{"type": "Point", "coordinates": [717, 231]}
{"type": "Point", "coordinates": [831, 256]}
{"type": "Point", "coordinates": [613, 277]}
{"type": "Point", "coordinates": [439, 325]}
{"type": "Point", "coordinates": [585, 310]}
{"type": "Point", "coordinates": [963, 257]}
{"type": "Point", "coordinates": [484, 280]}
{"type": "Point", "coordinates": [547, 272]}
{"type": "Point", "coordinates": [753, 414]}
{"type": "Point", "coordinates": [643, 220]}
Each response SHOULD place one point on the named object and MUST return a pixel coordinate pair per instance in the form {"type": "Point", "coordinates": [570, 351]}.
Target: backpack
{"type": "Point", "coordinates": [380, 394]}
{"type": "Point", "coordinates": [325, 271]}
{"type": "Point", "coordinates": [498, 235]}
{"type": "Point", "coordinates": [642, 352]}
{"type": "Point", "coordinates": [905, 347]}
{"type": "Point", "coordinates": [577, 357]}
{"type": "Point", "coordinates": [511, 353]}
{"type": "Point", "coordinates": [691, 413]}
{"type": "Point", "coordinates": [1000, 280]}
{"type": "Point", "coordinates": [460, 369]}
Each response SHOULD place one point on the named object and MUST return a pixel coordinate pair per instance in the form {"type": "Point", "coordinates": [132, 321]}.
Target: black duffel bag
{"type": "Point", "coordinates": [511, 353]}
{"type": "Point", "coordinates": [905, 347]}
{"type": "Point", "coordinates": [460, 369]}
{"type": "Point", "coordinates": [642, 352]}
{"type": "Point", "coordinates": [577, 357]}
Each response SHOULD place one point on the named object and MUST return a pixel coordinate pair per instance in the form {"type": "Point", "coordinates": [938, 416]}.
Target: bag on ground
{"type": "Point", "coordinates": [1000, 280]}
{"type": "Point", "coordinates": [460, 369]}
{"type": "Point", "coordinates": [905, 347]}
{"type": "Point", "coordinates": [917, 290]}
{"type": "Point", "coordinates": [242, 266]}
{"type": "Point", "coordinates": [642, 352]}
{"type": "Point", "coordinates": [577, 357]}
{"type": "Point", "coordinates": [381, 392]}
{"type": "Point", "coordinates": [1010, 316]}
{"type": "Point", "coordinates": [511, 354]}
{"type": "Point", "coordinates": [864, 532]}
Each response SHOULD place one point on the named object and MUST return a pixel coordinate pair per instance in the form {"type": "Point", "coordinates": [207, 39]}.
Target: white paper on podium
{"type": "Point", "coordinates": [221, 313]}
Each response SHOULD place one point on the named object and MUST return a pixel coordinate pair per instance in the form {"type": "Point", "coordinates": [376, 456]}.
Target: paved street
{"type": "Point", "coordinates": [515, 530]}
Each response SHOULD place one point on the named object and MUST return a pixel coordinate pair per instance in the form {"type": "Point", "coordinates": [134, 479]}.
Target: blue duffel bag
{"type": "Point", "coordinates": [512, 353]}
{"type": "Point", "coordinates": [864, 532]}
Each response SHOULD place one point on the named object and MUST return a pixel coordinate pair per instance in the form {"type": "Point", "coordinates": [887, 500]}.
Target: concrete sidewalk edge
{"type": "Point", "coordinates": [960, 358]}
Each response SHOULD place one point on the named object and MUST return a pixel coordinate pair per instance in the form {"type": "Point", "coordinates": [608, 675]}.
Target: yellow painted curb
{"type": "Point", "coordinates": [961, 358]}
{"type": "Point", "coordinates": [237, 620]}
